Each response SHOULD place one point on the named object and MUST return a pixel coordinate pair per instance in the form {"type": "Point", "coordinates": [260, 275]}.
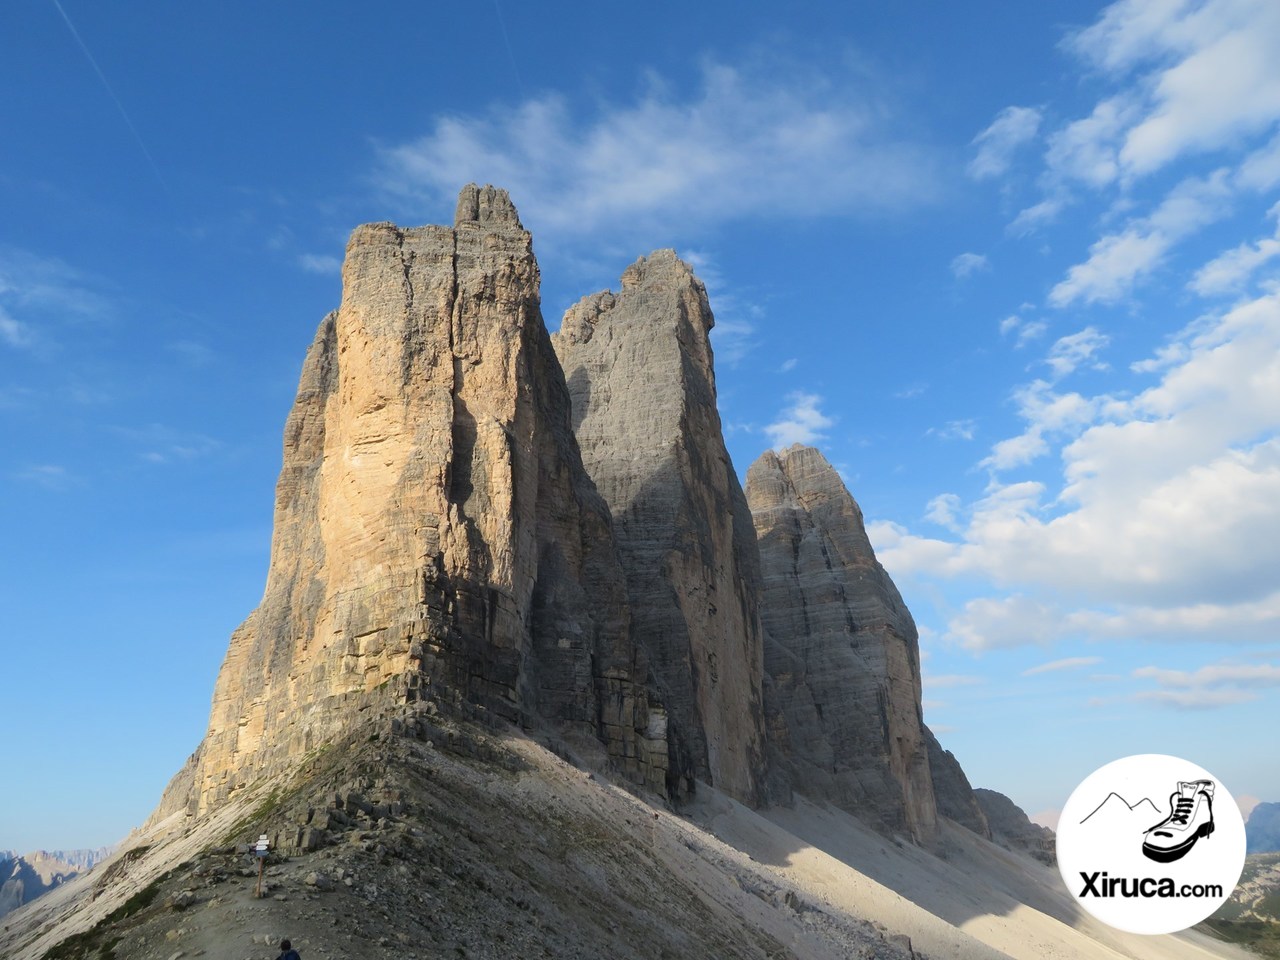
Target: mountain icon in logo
{"type": "Point", "coordinates": [1118, 813]}
{"type": "Point", "coordinates": [1189, 818]}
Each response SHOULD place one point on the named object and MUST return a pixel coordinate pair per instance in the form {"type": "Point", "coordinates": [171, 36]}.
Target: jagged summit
{"type": "Point", "coordinates": [436, 537]}
{"type": "Point", "coordinates": [639, 367]}
{"type": "Point", "coordinates": [843, 652]}
{"type": "Point", "coordinates": [485, 205]}
{"type": "Point", "coordinates": [498, 562]}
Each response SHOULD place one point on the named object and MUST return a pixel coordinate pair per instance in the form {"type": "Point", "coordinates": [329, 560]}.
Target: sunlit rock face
{"type": "Point", "coordinates": [638, 363]}
{"type": "Point", "coordinates": [436, 536]}
{"type": "Point", "coordinates": [842, 653]}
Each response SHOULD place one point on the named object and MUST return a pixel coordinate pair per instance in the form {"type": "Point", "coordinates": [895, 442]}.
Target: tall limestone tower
{"type": "Point", "coordinates": [639, 367]}
{"type": "Point", "coordinates": [843, 652]}
{"type": "Point", "coordinates": [435, 533]}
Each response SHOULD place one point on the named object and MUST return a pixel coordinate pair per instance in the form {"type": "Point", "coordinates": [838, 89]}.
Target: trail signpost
{"type": "Point", "coordinates": [260, 851]}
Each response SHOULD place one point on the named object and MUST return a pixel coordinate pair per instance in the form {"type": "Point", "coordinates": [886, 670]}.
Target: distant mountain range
{"type": "Point", "coordinates": [24, 877]}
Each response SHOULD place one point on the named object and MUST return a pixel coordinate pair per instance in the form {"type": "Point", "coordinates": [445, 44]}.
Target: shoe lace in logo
{"type": "Point", "coordinates": [1181, 813]}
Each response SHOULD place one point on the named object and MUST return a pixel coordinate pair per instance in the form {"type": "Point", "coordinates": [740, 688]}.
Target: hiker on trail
{"type": "Point", "coordinates": [287, 952]}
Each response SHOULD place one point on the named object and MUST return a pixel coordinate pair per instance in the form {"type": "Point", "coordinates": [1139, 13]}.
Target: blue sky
{"type": "Point", "coordinates": [1015, 270]}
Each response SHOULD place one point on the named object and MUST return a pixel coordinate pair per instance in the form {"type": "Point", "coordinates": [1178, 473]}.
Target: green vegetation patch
{"type": "Point", "coordinates": [1260, 936]}
{"type": "Point", "coordinates": [97, 943]}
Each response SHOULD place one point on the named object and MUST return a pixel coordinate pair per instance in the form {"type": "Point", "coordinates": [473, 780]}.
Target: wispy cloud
{"type": "Point", "coordinates": [1070, 352]}
{"type": "Point", "coordinates": [319, 263]}
{"type": "Point", "coordinates": [1066, 663]}
{"type": "Point", "coordinates": [1026, 330]}
{"type": "Point", "coordinates": [736, 315]}
{"type": "Point", "coordinates": [799, 422]}
{"type": "Point", "coordinates": [1229, 271]}
{"type": "Point", "coordinates": [1012, 127]}
{"type": "Point", "coordinates": [1120, 260]}
{"type": "Point", "coordinates": [947, 681]}
{"type": "Point", "coordinates": [159, 444]}
{"type": "Point", "coordinates": [12, 332]}
{"type": "Point", "coordinates": [38, 295]}
{"type": "Point", "coordinates": [752, 141]}
{"type": "Point", "coordinates": [51, 476]}
{"type": "Point", "coordinates": [967, 264]}
{"type": "Point", "coordinates": [954, 430]}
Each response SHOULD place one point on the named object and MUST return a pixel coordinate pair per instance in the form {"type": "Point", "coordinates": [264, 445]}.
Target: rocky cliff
{"type": "Point", "coordinates": [436, 537]}
{"type": "Point", "coordinates": [951, 789]}
{"type": "Point", "coordinates": [842, 651]}
{"type": "Point", "coordinates": [1012, 828]}
{"type": "Point", "coordinates": [639, 368]}
{"type": "Point", "coordinates": [24, 878]}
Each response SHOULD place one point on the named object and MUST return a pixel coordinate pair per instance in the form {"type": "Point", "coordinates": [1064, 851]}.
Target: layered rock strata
{"type": "Point", "coordinates": [436, 536]}
{"type": "Point", "coordinates": [639, 368]}
{"type": "Point", "coordinates": [1012, 828]}
{"type": "Point", "coordinates": [842, 653]}
{"type": "Point", "coordinates": [951, 789]}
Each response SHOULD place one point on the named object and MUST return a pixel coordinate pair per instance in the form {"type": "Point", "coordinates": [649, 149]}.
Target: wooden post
{"type": "Point", "coordinates": [261, 852]}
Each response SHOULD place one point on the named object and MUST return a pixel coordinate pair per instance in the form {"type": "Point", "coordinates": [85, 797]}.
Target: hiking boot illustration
{"type": "Point", "coordinates": [1190, 818]}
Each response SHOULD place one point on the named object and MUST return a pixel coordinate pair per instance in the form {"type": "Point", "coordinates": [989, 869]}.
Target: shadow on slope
{"type": "Point", "coordinates": [1008, 901]}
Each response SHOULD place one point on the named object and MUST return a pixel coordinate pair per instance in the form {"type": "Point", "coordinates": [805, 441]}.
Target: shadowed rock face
{"type": "Point", "coordinates": [1012, 828]}
{"type": "Point", "coordinates": [842, 652]}
{"type": "Point", "coordinates": [436, 536]}
{"type": "Point", "coordinates": [639, 368]}
{"type": "Point", "coordinates": [1262, 832]}
{"type": "Point", "coordinates": [951, 789]}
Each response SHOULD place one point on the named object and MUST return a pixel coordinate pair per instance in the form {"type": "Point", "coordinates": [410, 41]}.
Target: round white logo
{"type": "Point", "coordinates": [1151, 844]}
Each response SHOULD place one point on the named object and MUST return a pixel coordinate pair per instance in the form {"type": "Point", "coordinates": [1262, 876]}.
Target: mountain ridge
{"type": "Point", "coordinates": [446, 713]}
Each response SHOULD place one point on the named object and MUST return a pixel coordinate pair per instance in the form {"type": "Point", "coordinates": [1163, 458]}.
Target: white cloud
{"type": "Point", "coordinates": [1027, 330]}
{"type": "Point", "coordinates": [39, 294]}
{"type": "Point", "coordinates": [1067, 663]}
{"type": "Point", "coordinates": [1012, 127]}
{"type": "Point", "coordinates": [1016, 451]}
{"type": "Point", "coordinates": [943, 510]}
{"type": "Point", "coordinates": [319, 263]}
{"type": "Point", "coordinates": [12, 332]}
{"type": "Point", "coordinates": [1261, 169]}
{"type": "Point", "coordinates": [1069, 352]}
{"type": "Point", "coordinates": [1167, 519]}
{"type": "Point", "coordinates": [1120, 260]}
{"type": "Point", "coordinates": [1086, 150]}
{"type": "Point", "coordinates": [788, 365]}
{"type": "Point", "coordinates": [968, 263]}
{"type": "Point", "coordinates": [954, 430]}
{"type": "Point", "coordinates": [1230, 271]}
{"type": "Point", "coordinates": [999, 623]}
{"type": "Point", "coordinates": [1201, 76]}
{"type": "Point", "coordinates": [752, 141]}
{"type": "Point", "coordinates": [800, 422]}
{"type": "Point", "coordinates": [1037, 215]}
